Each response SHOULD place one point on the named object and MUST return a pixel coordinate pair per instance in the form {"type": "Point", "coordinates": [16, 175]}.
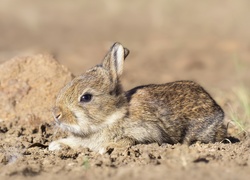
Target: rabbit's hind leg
{"type": "Point", "coordinates": [204, 133]}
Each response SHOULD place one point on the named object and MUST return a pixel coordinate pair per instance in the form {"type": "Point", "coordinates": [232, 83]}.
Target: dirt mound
{"type": "Point", "coordinates": [29, 85]}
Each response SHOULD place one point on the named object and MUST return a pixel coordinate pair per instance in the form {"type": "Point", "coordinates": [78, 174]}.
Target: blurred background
{"type": "Point", "coordinates": [207, 41]}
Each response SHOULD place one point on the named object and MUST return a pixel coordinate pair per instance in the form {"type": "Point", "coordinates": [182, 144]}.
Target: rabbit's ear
{"type": "Point", "coordinates": [126, 52]}
{"type": "Point", "coordinates": [114, 60]}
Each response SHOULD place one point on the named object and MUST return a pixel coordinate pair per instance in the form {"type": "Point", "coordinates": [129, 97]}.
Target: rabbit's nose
{"type": "Point", "coordinates": [57, 112]}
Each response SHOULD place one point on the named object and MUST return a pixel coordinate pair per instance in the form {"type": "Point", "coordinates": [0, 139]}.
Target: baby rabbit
{"type": "Point", "coordinates": [100, 115]}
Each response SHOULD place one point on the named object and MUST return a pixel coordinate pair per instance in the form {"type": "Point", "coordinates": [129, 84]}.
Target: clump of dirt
{"type": "Point", "coordinates": [29, 85]}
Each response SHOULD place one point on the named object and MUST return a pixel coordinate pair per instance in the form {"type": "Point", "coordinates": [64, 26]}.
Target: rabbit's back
{"type": "Point", "coordinates": [182, 111]}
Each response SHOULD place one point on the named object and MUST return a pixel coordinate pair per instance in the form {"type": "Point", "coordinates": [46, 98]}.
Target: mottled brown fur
{"type": "Point", "coordinates": [183, 111]}
{"type": "Point", "coordinates": [180, 111]}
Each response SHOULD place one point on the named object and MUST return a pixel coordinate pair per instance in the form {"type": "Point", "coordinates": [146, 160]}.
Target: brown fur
{"type": "Point", "coordinates": [180, 111]}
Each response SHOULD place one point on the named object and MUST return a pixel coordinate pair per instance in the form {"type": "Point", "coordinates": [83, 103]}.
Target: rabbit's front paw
{"type": "Point", "coordinates": [55, 146]}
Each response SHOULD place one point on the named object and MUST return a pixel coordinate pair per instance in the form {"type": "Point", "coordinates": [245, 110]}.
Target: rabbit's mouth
{"type": "Point", "coordinates": [73, 128]}
{"type": "Point", "coordinates": [78, 125]}
{"type": "Point", "coordinates": [62, 125]}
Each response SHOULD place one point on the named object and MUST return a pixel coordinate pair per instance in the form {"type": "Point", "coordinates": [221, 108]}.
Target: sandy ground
{"type": "Point", "coordinates": [205, 41]}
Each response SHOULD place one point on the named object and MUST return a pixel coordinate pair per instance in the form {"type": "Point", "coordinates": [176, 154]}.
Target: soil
{"type": "Point", "coordinates": [205, 41]}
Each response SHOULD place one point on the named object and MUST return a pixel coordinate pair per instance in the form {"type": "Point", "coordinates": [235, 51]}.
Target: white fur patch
{"type": "Point", "coordinates": [54, 146]}
{"type": "Point", "coordinates": [120, 59]}
{"type": "Point", "coordinates": [72, 128]}
{"type": "Point", "coordinates": [95, 143]}
{"type": "Point", "coordinates": [85, 126]}
{"type": "Point", "coordinates": [114, 117]}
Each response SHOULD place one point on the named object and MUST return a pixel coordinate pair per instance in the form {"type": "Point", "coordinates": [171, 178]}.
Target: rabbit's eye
{"type": "Point", "coordinates": [86, 98]}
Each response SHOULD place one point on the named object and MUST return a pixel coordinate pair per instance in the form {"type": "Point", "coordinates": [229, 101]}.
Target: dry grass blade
{"type": "Point", "coordinates": [240, 114]}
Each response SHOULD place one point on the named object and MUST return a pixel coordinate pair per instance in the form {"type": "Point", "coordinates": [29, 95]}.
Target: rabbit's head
{"type": "Point", "coordinates": [95, 99]}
